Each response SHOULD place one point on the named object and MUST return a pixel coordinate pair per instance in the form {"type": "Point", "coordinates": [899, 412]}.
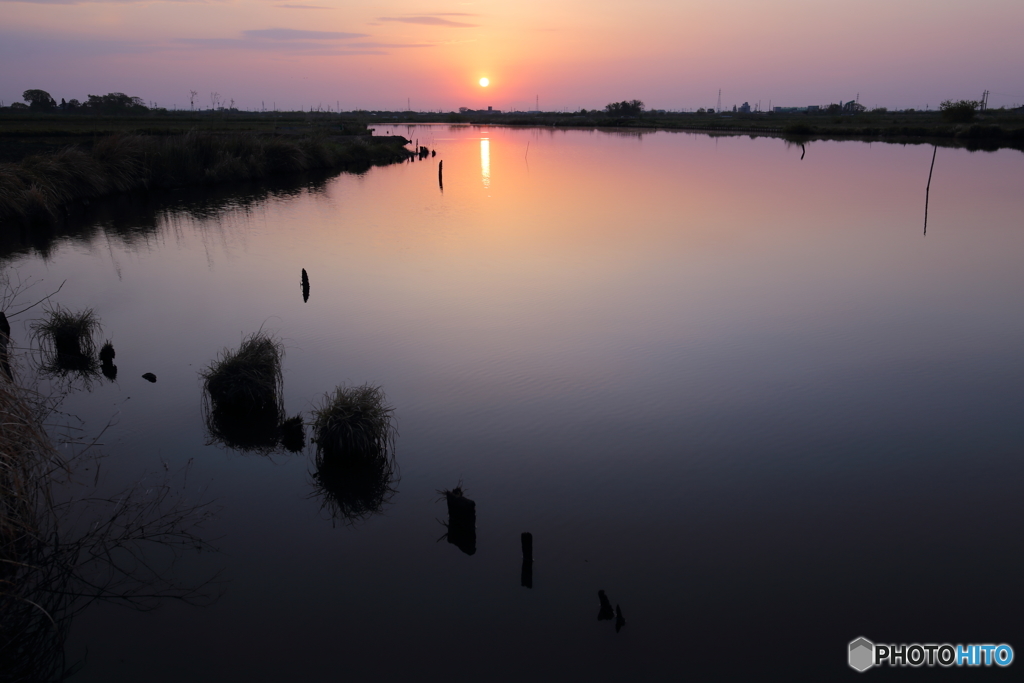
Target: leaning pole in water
{"type": "Point", "coordinates": [440, 175]}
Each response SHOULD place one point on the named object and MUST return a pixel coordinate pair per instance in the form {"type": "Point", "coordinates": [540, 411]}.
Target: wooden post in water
{"type": "Point", "coordinates": [928, 189]}
{"type": "Point", "coordinates": [440, 175]}
{"type": "Point", "coordinates": [526, 577]}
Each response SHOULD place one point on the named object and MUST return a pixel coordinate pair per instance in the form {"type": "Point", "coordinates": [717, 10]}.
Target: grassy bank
{"type": "Point", "coordinates": [992, 129]}
{"type": "Point", "coordinates": [26, 133]}
{"type": "Point", "coordinates": [41, 185]}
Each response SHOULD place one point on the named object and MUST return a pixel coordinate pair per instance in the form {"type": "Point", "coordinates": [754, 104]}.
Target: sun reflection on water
{"type": "Point", "coordinates": [485, 161]}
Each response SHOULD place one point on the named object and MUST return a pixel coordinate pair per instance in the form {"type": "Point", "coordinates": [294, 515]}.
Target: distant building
{"type": "Point", "coordinates": [489, 110]}
{"type": "Point", "coordinates": [811, 109]}
{"type": "Point", "coordinates": [745, 108]}
{"type": "Point", "coordinates": [853, 107]}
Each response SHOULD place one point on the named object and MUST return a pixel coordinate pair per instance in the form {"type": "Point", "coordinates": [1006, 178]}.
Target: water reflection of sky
{"type": "Point", "coordinates": [703, 373]}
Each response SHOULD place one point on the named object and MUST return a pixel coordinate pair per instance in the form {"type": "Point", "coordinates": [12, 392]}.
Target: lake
{"type": "Point", "coordinates": [727, 380]}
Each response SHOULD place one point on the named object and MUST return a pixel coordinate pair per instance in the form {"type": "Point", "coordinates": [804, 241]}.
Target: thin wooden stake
{"type": "Point", "coordinates": [928, 189]}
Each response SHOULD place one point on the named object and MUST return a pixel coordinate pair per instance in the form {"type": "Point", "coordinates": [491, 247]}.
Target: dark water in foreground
{"type": "Point", "coordinates": [739, 391]}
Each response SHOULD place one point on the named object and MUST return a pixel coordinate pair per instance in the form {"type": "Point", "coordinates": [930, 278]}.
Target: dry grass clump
{"type": "Point", "coordinates": [354, 422]}
{"type": "Point", "coordinates": [355, 442]}
{"type": "Point", "coordinates": [248, 378]}
{"type": "Point", "coordinates": [31, 641]}
{"type": "Point", "coordinates": [66, 341]}
{"type": "Point", "coordinates": [23, 446]}
{"type": "Point", "coordinates": [243, 394]}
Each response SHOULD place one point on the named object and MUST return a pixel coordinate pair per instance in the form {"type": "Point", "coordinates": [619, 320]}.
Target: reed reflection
{"type": "Point", "coordinates": [137, 220]}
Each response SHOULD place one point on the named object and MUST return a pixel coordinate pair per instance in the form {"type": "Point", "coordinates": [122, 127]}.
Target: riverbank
{"type": "Point", "coordinates": [41, 186]}
{"type": "Point", "coordinates": [990, 130]}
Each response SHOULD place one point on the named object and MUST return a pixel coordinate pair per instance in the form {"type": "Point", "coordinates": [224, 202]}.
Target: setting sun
{"type": "Point", "coordinates": [484, 82]}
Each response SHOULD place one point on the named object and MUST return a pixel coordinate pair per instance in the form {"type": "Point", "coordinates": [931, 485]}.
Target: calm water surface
{"type": "Point", "coordinates": [739, 391]}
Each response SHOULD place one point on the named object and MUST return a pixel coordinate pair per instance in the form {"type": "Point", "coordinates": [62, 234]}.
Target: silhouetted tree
{"type": "Point", "coordinates": [39, 100]}
{"type": "Point", "coordinates": [624, 108]}
{"type": "Point", "coordinates": [116, 103]}
{"type": "Point", "coordinates": [961, 111]}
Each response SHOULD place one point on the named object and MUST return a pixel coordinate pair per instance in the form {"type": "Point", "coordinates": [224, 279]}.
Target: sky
{"type": "Point", "coordinates": [564, 54]}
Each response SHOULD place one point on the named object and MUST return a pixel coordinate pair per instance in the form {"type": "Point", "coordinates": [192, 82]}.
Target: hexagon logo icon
{"type": "Point", "coordinates": [862, 654]}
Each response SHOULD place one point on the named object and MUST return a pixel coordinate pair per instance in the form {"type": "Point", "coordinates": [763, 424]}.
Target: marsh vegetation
{"type": "Point", "coordinates": [59, 553]}
{"type": "Point", "coordinates": [354, 431]}
{"type": "Point", "coordinates": [66, 342]}
{"type": "Point", "coordinates": [40, 186]}
{"type": "Point", "coordinates": [243, 394]}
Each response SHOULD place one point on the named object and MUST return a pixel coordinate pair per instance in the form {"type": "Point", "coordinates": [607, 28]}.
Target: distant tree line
{"type": "Point", "coordinates": [624, 108]}
{"type": "Point", "coordinates": [960, 111]}
{"type": "Point", "coordinates": [111, 103]}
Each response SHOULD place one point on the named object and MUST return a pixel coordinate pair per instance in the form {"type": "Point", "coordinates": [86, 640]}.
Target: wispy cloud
{"type": "Point", "coordinates": [297, 41]}
{"type": "Point", "coordinates": [82, 2]}
{"type": "Point", "coordinates": [302, 7]}
{"type": "Point", "coordinates": [282, 46]}
{"type": "Point", "coordinates": [34, 46]}
{"type": "Point", "coordinates": [297, 34]}
{"type": "Point", "coordinates": [430, 20]}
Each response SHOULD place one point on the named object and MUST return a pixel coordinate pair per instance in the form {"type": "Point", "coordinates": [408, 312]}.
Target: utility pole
{"type": "Point", "coordinates": [537, 103]}
{"type": "Point", "coordinates": [984, 101]}
{"type": "Point", "coordinates": [718, 109]}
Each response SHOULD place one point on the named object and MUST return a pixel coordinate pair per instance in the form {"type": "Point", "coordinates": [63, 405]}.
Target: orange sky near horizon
{"type": "Point", "coordinates": [571, 54]}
